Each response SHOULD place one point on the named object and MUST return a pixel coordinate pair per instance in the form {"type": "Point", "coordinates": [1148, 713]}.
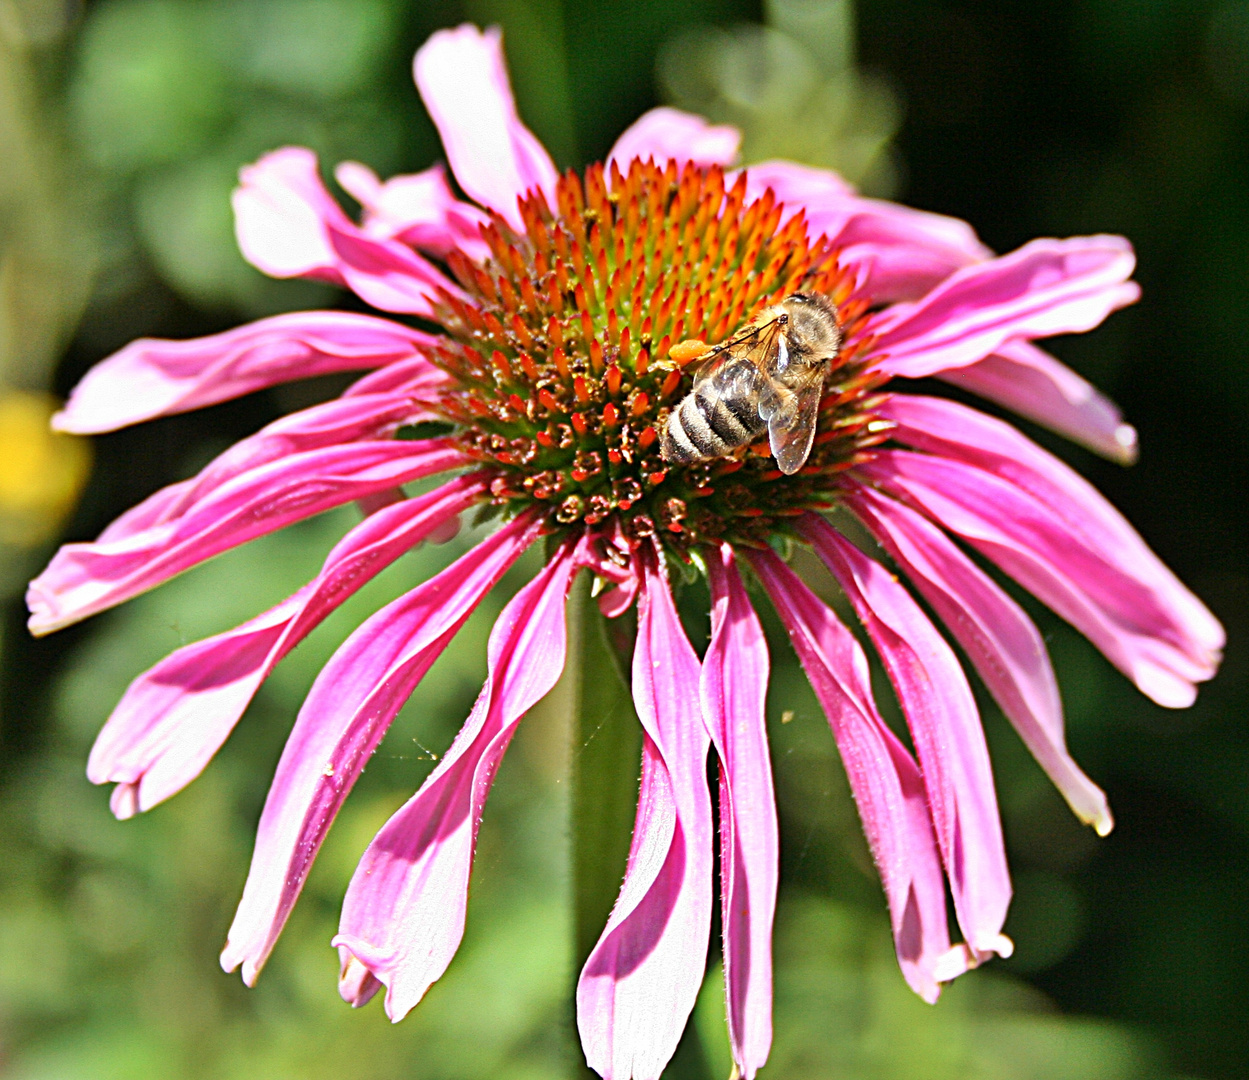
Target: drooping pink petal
{"type": "Point", "coordinates": [403, 916]}
{"type": "Point", "coordinates": [667, 134]}
{"type": "Point", "coordinates": [386, 273]}
{"type": "Point", "coordinates": [344, 717]}
{"type": "Point", "coordinates": [1033, 384]}
{"type": "Point", "coordinates": [417, 209]}
{"type": "Point", "coordinates": [945, 726]}
{"type": "Point", "coordinates": [1002, 642]}
{"type": "Point", "coordinates": [900, 252]}
{"type": "Point", "coordinates": [281, 208]}
{"type": "Point", "coordinates": [288, 225]}
{"type": "Point", "coordinates": [416, 376]}
{"type": "Point", "coordinates": [955, 431]}
{"type": "Point", "coordinates": [463, 81]}
{"type": "Point", "coordinates": [639, 985]}
{"type": "Point", "coordinates": [174, 717]}
{"type": "Point", "coordinates": [83, 579]}
{"type": "Point", "coordinates": [1112, 604]}
{"type": "Point", "coordinates": [883, 776]}
{"type": "Point", "coordinates": [1046, 287]}
{"type": "Point", "coordinates": [152, 377]}
{"type": "Point", "coordinates": [332, 423]}
{"type": "Point", "coordinates": [734, 687]}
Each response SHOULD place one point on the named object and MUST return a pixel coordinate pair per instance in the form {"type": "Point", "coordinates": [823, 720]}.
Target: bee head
{"type": "Point", "coordinates": [812, 333]}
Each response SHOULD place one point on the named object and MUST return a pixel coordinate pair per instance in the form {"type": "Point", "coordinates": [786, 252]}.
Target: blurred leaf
{"type": "Point", "coordinates": [791, 87]}
{"type": "Point", "coordinates": [186, 221]}
{"type": "Point", "coordinates": [147, 91]}
{"type": "Point", "coordinates": [319, 49]}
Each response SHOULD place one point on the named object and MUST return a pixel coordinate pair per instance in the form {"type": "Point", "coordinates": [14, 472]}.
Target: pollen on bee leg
{"type": "Point", "coordinates": [685, 351]}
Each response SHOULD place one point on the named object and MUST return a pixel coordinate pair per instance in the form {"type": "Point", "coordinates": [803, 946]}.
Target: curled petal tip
{"type": "Point", "coordinates": [44, 618]}
{"type": "Point", "coordinates": [984, 947]}
{"type": "Point", "coordinates": [1103, 824]}
{"type": "Point", "coordinates": [1002, 945]}
{"type": "Point", "coordinates": [231, 962]}
{"type": "Point", "coordinates": [62, 421]}
{"type": "Point", "coordinates": [124, 802]}
{"type": "Point", "coordinates": [1126, 442]}
{"type": "Point", "coordinates": [964, 957]}
{"type": "Point", "coordinates": [356, 983]}
{"type": "Point", "coordinates": [956, 961]}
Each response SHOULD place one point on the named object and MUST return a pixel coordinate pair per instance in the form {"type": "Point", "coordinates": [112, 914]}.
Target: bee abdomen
{"type": "Point", "coordinates": [707, 425]}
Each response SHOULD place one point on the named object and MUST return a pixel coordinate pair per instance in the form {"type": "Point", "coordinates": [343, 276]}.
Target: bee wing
{"type": "Point", "coordinates": [791, 425]}
{"type": "Point", "coordinates": [757, 344]}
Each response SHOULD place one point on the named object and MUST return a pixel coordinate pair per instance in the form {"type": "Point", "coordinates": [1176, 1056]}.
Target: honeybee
{"type": "Point", "coordinates": [769, 375]}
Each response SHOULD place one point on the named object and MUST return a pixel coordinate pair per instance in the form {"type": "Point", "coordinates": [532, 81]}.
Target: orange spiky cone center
{"type": "Point", "coordinates": [566, 352]}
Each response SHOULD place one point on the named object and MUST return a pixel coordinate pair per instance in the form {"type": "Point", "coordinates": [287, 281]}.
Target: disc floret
{"type": "Point", "coordinates": [561, 347]}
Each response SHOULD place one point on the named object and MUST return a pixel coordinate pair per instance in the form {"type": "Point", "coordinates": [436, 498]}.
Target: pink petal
{"type": "Point", "coordinates": [175, 717]}
{"type": "Point", "coordinates": [416, 376]}
{"type": "Point", "coordinates": [404, 913]}
{"type": "Point", "coordinates": [332, 423]}
{"type": "Point", "coordinates": [734, 686]}
{"type": "Point", "coordinates": [1113, 605]}
{"type": "Point", "coordinates": [463, 81]}
{"type": "Point", "coordinates": [1046, 287]}
{"type": "Point", "coordinates": [83, 579]}
{"type": "Point", "coordinates": [419, 209]}
{"type": "Point", "coordinates": [349, 419]}
{"type": "Point", "coordinates": [945, 726]}
{"type": "Point", "coordinates": [153, 377]}
{"type": "Point", "coordinates": [288, 225]}
{"type": "Point", "coordinates": [640, 983]}
{"type": "Point", "coordinates": [344, 717]}
{"type": "Point", "coordinates": [955, 431]}
{"type": "Point", "coordinates": [901, 252]}
{"type": "Point", "coordinates": [798, 187]}
{"type": "Point", "coordinates": [664, 134]}
{"type": "Point", "coordinates": [883, 776]}
{"type": "Point", "coordinates": [1033, 384]}
{"type": "Point", "coordinates": [385, 273]}
{"type": "Point", "coordinates": [281, 208]}
{"type": "Point", "coordinates": [996, 634]}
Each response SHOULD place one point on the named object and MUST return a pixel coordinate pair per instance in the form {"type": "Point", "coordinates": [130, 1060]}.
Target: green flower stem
{"type": "Point", "coordinates": [605, 766]}
{"type": "Point", "coordinates": [606, 762]}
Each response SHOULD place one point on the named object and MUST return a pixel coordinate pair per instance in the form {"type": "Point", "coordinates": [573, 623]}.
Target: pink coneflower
{"type": "Point", "coordinates": [559, 298]}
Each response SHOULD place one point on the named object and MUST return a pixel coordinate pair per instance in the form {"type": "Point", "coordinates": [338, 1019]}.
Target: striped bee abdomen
{"type": "Point", "coordinates": [720, 415]}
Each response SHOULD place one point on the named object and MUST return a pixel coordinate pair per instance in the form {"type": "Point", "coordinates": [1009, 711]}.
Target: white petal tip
{"type": "Point", "coordinates": [996, 943]}
{"type": "Point", "coordinates": [63, 422]}
{"type": "Point", "coordinates": [1126, 448]}
{"type": "Point", "coordinates": [46, 615]}
{"type": "Point", "coordinates": [230, 961]}
{"type": "Point", "coordinates": [1103, 822]}
{"type": "Point", "coordinates": [124, 802]}
{"type": "Point", "coordinates": [949, 966]}
{"type": "Point", "coordinates": [967, 956]}
{"type": "Point", "coordinates": [356, 983]}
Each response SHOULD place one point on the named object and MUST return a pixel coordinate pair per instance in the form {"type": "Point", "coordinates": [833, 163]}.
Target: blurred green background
{"type": "Point", "coordinates": [122, 126]}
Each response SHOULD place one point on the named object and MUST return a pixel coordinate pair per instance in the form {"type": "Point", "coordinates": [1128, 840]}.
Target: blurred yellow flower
{"type": "Point", "coordinates": [41, 471]}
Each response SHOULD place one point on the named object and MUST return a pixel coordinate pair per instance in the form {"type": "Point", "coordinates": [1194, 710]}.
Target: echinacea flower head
{"type": "Point", "coordinates": [561, 301]}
